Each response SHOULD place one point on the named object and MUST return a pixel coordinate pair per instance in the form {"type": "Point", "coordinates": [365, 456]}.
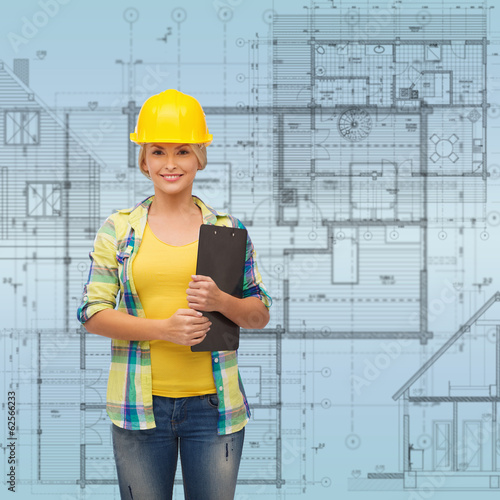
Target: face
{"type": "Point", "coordinates": [171, 166]}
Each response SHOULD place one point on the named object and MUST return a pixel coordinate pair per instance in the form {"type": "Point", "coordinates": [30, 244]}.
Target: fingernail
{"type": "Point", "coordinates": [199, 313]}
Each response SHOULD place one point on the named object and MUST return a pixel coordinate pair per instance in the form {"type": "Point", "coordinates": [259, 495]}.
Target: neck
{"type": "Point", "coordinates": [177, 205]}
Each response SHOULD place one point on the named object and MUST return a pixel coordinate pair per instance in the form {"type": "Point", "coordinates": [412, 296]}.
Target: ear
{"type": "Point", "coordinates": [144, 170]}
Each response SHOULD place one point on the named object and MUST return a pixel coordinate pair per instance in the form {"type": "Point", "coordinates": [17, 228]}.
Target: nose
{"type": "Point", "coordinates": [170, 162]}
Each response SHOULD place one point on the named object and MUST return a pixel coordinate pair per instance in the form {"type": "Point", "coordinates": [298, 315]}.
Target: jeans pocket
{"type": "Point", "coordinates": [213, 400]}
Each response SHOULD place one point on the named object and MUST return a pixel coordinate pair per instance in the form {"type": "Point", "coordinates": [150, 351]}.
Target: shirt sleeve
{"type": "Point", "coordinates": [252, 280]}
{"type": "Point", "coordinates": [102, 285]}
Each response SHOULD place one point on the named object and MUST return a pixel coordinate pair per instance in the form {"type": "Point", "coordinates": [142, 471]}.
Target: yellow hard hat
{"type": "Point", "coordinates": [171, 116]}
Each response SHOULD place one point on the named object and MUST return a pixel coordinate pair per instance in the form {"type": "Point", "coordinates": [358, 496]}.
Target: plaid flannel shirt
{"type": "Point", "coordinates": [129, 399]}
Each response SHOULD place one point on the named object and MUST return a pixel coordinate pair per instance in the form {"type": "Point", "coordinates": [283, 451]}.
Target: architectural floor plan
{"type": "Point", "coordinates": [359, 144]}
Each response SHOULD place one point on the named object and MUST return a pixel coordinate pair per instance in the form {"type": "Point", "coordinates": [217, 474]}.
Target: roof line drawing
{"type": "Point", "coordinates": [33, 96]}
{"type": "Point", "coordinates": [463, 329]}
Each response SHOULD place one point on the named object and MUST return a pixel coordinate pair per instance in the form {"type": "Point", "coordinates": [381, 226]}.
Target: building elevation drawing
{"type": "Point", "coordinates": [359, 142]}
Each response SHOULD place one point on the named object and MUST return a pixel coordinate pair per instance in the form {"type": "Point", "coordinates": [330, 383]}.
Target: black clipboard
{"type": "Point", "coordinates": [222, 255]}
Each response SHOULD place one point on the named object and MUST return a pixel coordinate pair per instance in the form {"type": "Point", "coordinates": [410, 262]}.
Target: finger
{"type": "Point", "coordinates": [198, 340]}
{"type": "Point", "coordinates": [201, 277]}
{"type": "Point", "coordinates": [200, 332]}
{"type": "Point", "coordinates": [200, 329]}
{"type": "Point", "coordinates": [195, 285]}
{"type": "Point", "coordinates": [200, 308]}
{"type": "Point", "coordinates": [198, 293]}
{"type": "Point", "coordinates": [202, 323]}
{"type": "Point", "coordinates": [194, 301]}
{"type": "Point", "coordinates": [195, 307]}
{"type": "Point", "coordinates": [197, 335]}
{"type": "Point", "coordinates": [189, 312]}
{"type": "Point", "coordinates": [197, 320]}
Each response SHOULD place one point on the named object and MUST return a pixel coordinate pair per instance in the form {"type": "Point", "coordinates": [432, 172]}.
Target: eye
{"type": "Point", "coordinates": [184, 151]}
{"type": "Point", "coordinates": [156, 151]}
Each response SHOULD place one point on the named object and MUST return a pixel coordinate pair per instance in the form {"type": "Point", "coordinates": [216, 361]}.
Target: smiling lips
{"type": "Point", "coordinates": [172, 178]}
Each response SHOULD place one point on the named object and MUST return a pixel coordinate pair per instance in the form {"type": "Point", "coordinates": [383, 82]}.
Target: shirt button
{"type": "Point", "coordinates": [216, 360]}
{"type": "Point", "coordinates": [220, 388]}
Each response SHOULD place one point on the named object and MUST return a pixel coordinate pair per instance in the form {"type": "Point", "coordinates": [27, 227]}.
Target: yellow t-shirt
{"type": "Point", "coordinates": [161, 274]}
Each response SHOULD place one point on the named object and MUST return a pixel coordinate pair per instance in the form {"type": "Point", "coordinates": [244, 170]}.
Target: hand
{"type": "Point", "coordinates": [203, 294]}
{"type": "Point", "coordinates": [186, 327]}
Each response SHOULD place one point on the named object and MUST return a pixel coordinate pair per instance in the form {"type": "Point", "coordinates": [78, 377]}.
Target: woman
{"type": "Point", "coordinates": [161, 396]}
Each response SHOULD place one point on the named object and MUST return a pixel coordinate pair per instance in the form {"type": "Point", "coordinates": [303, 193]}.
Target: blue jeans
{"type": "Point", "coordinates": [146, 460]}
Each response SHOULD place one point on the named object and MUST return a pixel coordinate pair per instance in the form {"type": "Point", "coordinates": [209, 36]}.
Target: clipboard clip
{"type": "Point", "coordinates": [223, 225]}
{"type": "Point", "coordinates": [215, 230]}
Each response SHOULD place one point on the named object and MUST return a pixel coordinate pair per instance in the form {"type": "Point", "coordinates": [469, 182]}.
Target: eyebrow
{"type": "Point", "coordinates": [161, 147]}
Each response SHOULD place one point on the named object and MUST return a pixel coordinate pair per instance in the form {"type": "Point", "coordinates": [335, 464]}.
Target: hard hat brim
{"type": "Point", "coordinates": [207, 141]}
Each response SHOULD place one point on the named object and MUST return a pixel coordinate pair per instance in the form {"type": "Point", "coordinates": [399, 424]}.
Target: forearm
{"type": "Point", "coordinates": [118, 325]}
{"type": "Point", "coordinates": [249, 313]}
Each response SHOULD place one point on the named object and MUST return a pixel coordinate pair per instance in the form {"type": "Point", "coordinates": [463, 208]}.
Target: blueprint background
{"type": "Point", "coordinates": [321, 411]}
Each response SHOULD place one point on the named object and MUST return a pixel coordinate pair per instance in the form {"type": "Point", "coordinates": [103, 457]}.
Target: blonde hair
{"type": "Point", "coordinates": [199, 150]}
